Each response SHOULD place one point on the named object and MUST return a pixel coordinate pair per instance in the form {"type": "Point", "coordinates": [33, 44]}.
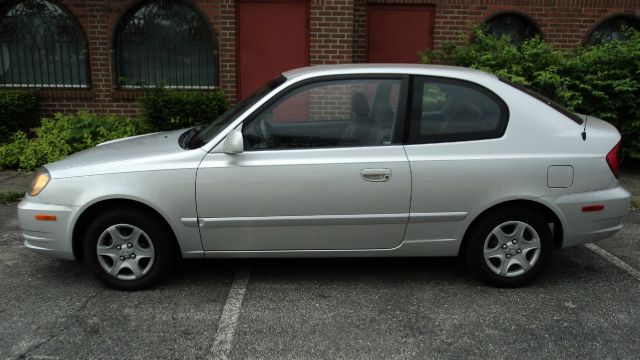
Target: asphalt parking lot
{"type": "Point", "coordinates": [585, 306]}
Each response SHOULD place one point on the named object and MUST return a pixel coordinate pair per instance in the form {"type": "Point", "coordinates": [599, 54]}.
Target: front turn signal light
{"type": "Point", "coordinates": [39, 182]}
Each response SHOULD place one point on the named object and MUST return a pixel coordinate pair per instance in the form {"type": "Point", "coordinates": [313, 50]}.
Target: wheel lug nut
{"type": "Point", "coordinates": [122, 258]}
{"type": "Point", "coordinates": [519, 251]}
{"type": "Point", "coordinates": [504, 246]}
{"type": "Point", "coordinates": [508, 256]}
{"type": "Point", "coordinates": [118, 247]}
{"type": "Point", "coordinates": [133, 256]}
{"type": "Point", "coordinates": [129, 245]}
{"type": "Point", "coordinates": [514, 241]}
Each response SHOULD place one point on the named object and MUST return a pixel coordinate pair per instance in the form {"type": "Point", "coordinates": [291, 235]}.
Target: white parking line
{"type": "Point", "coordinates": [229, 318]}
{"type": "Point", "coordinates": [614, 260]}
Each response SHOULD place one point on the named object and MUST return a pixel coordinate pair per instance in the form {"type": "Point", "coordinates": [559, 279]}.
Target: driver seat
{"type": "Point", "coordinates": [361, 130]}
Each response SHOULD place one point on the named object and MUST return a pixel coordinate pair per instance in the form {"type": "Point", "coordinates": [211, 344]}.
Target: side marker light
{"type": "Point", "coordinates": [44, 217]}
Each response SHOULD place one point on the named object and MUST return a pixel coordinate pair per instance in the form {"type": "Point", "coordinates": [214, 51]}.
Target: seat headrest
{"type": "Point", "coordinates": [359, 104]}
{"type": "Point", "coordinates": [383, 114]}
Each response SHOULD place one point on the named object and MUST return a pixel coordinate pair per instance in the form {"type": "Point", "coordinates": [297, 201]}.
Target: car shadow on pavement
{"type": "Point", "coordinates": [565, 266]}
{"type": "Point", "coordinates": [570, 265]}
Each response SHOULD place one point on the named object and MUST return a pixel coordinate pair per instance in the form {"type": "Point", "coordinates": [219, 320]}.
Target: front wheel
{"type": "Point", "coordinates": [509, 247]}
{"type": "Point", "coordinates": [128, 250]}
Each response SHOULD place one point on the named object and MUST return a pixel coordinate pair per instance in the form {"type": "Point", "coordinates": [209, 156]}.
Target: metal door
{"type": "Point", "coordinates": [397, 33]}
{"type": "Point", "coordinates": [273, 36]}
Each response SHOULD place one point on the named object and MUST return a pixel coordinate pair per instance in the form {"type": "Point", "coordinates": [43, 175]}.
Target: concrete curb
{"type": "Point", "coordinates": [15, 181]}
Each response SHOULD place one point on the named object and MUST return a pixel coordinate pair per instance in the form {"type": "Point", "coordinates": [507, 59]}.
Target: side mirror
{"type": "Point", "coordinates": [233, 144]}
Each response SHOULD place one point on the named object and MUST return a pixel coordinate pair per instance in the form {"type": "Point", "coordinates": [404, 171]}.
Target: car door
{"type": "Point", "coordinates": [321, 170]}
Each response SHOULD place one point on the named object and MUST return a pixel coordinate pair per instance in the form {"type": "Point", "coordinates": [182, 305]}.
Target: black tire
{"type": "Point", "coordinates": [155, 237]}
{"type": "Point", "coordinates": [507, 219]}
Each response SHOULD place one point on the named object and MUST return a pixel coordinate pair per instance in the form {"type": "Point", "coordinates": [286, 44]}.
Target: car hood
{"type": "Point", "coordinates": [135, 147]}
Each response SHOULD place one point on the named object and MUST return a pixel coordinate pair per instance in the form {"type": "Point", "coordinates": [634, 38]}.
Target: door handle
{"type": "Point", "coordinates": [376, 175]}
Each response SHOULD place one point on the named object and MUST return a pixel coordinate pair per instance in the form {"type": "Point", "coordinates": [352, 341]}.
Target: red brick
{"type": "Point", "coordinates": [337, 35]}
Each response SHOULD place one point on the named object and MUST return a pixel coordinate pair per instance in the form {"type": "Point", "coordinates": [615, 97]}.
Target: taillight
{"type": "Point", "coordinates": [614, 161]}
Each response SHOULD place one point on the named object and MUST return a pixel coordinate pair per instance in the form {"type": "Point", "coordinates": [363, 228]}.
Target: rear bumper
{"type": "Point", "coordinates": [582, 227]}
{"type": "Point", "coordinates": [48, 237]}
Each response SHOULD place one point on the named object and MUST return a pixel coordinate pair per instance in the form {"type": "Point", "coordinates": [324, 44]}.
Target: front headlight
{"type": "Point", "coordinates": [39, 182]}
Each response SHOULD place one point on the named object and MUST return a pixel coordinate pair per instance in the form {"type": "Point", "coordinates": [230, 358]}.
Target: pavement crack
{"type": "Point", "coordinates": [87, 301]}
{"type": "Point", "coordinates": [68, 320]}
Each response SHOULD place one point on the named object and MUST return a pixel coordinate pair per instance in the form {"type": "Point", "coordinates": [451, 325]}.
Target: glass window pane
{"type": "Point", "coordinates": [448, 110]}
{"type": "Point", "coordinates": [613, 29]}
{"type": "Point", "coordinates": [41, 45]}
{"type": "Point", "coordinates": [513, 26]}
{"type": "Point", "coordinates": [169, 43]}
{"type": "Point", "coordinates": [328, 114]}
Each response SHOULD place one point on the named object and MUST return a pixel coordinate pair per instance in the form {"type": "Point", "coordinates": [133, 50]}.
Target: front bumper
{"type": "Point", "coordinates": [583, 227]}
{"type": "Point", "coordinates": [48, 237]}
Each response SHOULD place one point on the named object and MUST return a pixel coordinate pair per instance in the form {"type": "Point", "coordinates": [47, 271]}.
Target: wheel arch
{"type": "Point", "coordinates": [85, 217]}
{"type": "Point", "coordinates": [549, 215]}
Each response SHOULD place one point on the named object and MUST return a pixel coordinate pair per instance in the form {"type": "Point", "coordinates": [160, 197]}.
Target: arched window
{"type": "Point", "coordinates": [613, 29]}
{"type": "Point", "coordinates": [516, 27]}
{"type": "Point", "coordinates": [41, 45]}
{"type": "Point", "coordinates": [166, 42]}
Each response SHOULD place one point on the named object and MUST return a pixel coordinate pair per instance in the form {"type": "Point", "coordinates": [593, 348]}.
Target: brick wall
{"type": "Point", "coordinates": [227, 43]}
{"type": "Point", "coordinates": [338, 33]}
{"type": "Point", "coordinates": [331, 32]}
{"type": "Point", "coordinates": [99, 19]}
{"type": "Point", "coordinates": [564, 23]}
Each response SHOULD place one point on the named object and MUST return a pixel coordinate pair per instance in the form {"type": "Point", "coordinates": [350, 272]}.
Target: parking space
{"type": "Point", "coordinates": [584, 306]}
{"type": "Point", "coordinates": [413, 308]}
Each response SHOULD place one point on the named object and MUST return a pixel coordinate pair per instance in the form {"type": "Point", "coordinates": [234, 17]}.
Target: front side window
{"type": "Point", "coordinates": [168, 43]}
{"type": "Point", "coordinates": [448, 110]}
{"type": "Point", "coordinates": [333, 113]}
{"type": "Point", "coordinates": [41, 45]}
{"type": "Point", "coordinates": [206, 134]}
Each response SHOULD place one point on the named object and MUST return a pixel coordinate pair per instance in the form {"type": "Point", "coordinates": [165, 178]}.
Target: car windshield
{"type": "Point", "coordinates": [205, 134]}
{"type": "Point", "coordinates": [564, 111]}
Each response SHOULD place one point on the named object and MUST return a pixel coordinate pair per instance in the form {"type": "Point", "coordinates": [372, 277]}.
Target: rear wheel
{"type": "Point", "coordinates": [128, 250]}
{"type": "Point", "coordinates": [509, 247]}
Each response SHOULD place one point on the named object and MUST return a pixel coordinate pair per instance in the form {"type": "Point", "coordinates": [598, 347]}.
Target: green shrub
{"type": "Point", "coordinates": [10, 152]}
{"type": "Point", "coordinates": [62, 135]}
{"type": "Point", "coordinates": [167, 109]}
{"type": "Point", "coordinates": [10, 197]}
{"type": "Point", "coordinates": [18, 111]}
{"type": "Point", "coordinates": [600, 80]}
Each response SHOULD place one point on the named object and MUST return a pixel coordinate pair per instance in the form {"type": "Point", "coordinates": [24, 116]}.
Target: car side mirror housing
{"type": "Point", "coordinates": [234, 144]}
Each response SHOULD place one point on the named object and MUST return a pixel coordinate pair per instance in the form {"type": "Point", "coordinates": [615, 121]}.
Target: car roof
{"type": "Point", "coordinates": [417, 69]}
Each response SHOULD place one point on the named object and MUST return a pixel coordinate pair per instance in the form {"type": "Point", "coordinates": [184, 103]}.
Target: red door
{"type": "Point", "coordinates": [273, 36]}
{"type": "Point", "coordinates": [396, 33]}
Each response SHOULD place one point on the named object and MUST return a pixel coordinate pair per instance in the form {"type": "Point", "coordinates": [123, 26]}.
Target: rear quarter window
{"type": "Point", "coordinates": [449, 110]}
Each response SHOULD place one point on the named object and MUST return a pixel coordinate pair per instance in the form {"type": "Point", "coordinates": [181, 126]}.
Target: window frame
{"type": "Point", "coordinates": [493, 17]}
{"type": "Point", "coordinates": [401, 114]}
{"type": "Point", "coordinates": [8, 6]}
{"type": "Point", "coordinates": [415, 113]}
{"type": "Point", "coordinates": [590, 40]}
{"type": "Point", "coordinates": [115, 56]}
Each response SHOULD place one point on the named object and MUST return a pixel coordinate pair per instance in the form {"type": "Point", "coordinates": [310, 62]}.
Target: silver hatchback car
{"type": "Point", "coordinates": [351, 160]}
